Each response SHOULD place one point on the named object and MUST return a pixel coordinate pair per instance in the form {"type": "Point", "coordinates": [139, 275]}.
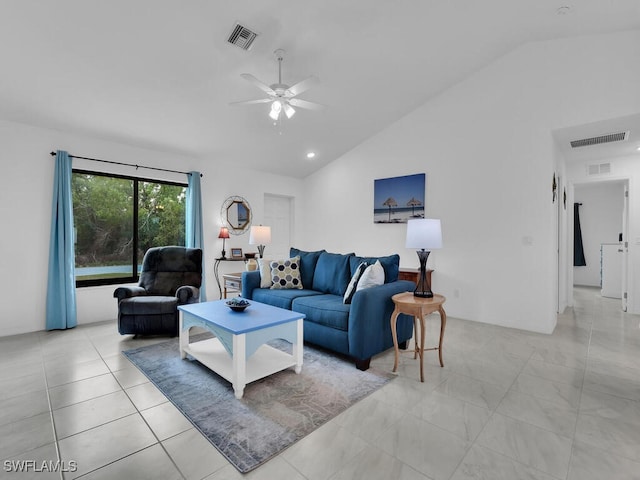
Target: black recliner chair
{"type": "Point", "coordinates": [170, 276]}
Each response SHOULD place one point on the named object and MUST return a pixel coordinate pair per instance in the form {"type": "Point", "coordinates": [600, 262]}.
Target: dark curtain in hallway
{"type": "Point", "coordinates": [578, 250]}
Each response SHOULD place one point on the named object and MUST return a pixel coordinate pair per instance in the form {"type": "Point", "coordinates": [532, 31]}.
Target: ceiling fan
{"type": "Point", "coordinates": [282, 96]}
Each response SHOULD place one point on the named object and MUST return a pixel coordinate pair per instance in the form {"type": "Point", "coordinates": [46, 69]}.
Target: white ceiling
{"type": "Point", "coordinates": [159, 73]}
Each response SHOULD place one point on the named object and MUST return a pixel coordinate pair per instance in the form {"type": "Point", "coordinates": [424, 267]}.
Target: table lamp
{"type": "Point", "coordinates": [224, 234]}
{"type": "Point", "coordinates": [425, 234]}
{"type": "Point", "coordinates": [261, 236]}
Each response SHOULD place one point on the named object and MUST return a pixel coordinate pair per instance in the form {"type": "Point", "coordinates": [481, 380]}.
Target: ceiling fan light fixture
{"type": "Point", "coordinates": [282, 96]}
{"type": "Point", "coordinates": [289, 110]}
{"type": "Point", "coordinates": [276, 108]}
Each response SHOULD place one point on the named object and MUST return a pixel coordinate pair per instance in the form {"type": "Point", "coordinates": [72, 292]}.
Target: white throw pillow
{"type": "Point", "coordinates": [351, 288]}
{"type": "Point", "coordinates": [372, 276]}
{"type": "Point", "coordinates": [264, 265]}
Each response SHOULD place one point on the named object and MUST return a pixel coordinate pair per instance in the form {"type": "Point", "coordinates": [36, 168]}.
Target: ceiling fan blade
{"type": "Point", "coordinates": [252, 102]}
{"type": "Point", "coordinates": [302, 86]}
{"type": "Point", "coordinates": [297, 102]}
{"type": "Point", "coordinates": [262, 86]}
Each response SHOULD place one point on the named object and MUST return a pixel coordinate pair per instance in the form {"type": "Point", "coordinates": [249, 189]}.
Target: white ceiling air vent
{"type": "Point", "coordinates": [242, 37]}
{"type": "Point", "coordinates": [598, 169]}
{"type": "Point", "coordinates": [608, 138]}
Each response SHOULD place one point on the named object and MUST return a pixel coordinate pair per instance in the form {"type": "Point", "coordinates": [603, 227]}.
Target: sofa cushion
{"type": "Point", "coordinates": [391, 265]}
{"type": "Point", "coordinates": [353, 283]}
{"type": "Point", "coordinates": [325, 310]}
{"type": "Point", "coordinates": [332, 273]}
{"type": "Point", "coordinates": [285, 274]}
{"type": "Point", "coordinates": [308, 262]}
{"type": "Point", "coordinates": [264, 267]}
{"type": "Point", "coordinates": [280, 298]}
{"type": "Point", "coordinates": [373, 276]}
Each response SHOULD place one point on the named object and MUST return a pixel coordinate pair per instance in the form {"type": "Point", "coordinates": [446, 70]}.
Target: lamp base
{"type": "Point", "coordinates": [261, 250]}
{"type": "Point", "coordinates": [224, 253]}
{"type": "Point", "coordinates": [423, 289]}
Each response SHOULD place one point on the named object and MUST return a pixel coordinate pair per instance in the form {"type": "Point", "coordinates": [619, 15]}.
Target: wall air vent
{"type": "Point", "coordinates": [598, 169]}
{"type": "Point", "coordinates": [242, 37]}
{"type": "Point", "coordinates": [611, 137]}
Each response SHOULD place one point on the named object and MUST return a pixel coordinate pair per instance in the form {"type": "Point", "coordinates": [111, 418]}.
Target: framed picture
{"type": "Point", "coordinates": [236, 253]}
{"type": "Point", "coordinates": [397, 199]}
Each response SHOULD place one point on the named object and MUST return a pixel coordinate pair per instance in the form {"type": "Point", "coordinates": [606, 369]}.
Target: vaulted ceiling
{"type": "Point", "coordinates": [160, 73]}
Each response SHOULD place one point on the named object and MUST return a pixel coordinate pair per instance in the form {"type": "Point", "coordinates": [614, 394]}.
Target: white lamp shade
{"type": "Point", "coordinates": [260, 235]}
{"type": "Point", "coordinates": [424, 233]}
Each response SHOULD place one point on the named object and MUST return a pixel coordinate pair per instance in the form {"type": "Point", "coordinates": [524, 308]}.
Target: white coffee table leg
{"type": "Point", "coordinates": [239, 365]}
{"type": "Point", "coordinates": [297, 346]}
{"type": "Point", "coordinates": [182, 335]}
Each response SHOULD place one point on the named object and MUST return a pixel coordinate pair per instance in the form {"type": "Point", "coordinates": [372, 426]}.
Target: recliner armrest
{"type": "Point", "coordinates": [187, 294]}
{"type": "Point", "coordinates": [127, 292]}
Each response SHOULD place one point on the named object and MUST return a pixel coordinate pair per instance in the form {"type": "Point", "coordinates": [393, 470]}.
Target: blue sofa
{"type": "Point", "coordinates": [360, 329]}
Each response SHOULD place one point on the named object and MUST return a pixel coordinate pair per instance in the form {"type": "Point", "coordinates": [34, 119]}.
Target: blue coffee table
{"type": "Point", "coordinates": [239, 353]}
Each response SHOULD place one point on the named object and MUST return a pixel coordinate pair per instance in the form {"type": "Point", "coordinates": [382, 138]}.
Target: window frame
{"type": "Point", "coordinates": [135, 278]}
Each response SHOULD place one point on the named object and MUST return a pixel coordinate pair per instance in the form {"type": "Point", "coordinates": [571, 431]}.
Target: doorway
{"type": "Point", "coordinates": [278, 213]}
{"type": "Point", "coordinates": [604, 224]}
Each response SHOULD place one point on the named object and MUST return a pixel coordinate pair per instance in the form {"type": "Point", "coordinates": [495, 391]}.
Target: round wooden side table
{"type": "Point", "coordinates": [418, 307]}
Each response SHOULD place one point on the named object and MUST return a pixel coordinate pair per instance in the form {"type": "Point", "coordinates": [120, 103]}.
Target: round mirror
{"type": "Point", "coordinates": [236, 215]}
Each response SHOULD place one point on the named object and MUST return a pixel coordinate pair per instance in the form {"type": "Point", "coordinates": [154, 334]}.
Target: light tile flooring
{"type": "Point", "coordinates": [507, 405]}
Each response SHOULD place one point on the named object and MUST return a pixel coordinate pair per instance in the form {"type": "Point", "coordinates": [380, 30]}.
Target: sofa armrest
{"type": "Point", "coordinates": [127, 292]}
{"type": "Point", "coordinates": [369, 319]}
{"type": "Point", "coordinates": [250, 281]}
{"type": "Point", "coordinates": [187, 294]}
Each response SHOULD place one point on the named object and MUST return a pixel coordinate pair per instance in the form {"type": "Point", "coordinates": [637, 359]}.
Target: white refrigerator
{"type": "Point", "coordinates": [611, 269]}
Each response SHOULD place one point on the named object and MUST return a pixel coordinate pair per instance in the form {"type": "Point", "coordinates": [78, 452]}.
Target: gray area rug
{"type": "Point", "coordinates": [274, 412]}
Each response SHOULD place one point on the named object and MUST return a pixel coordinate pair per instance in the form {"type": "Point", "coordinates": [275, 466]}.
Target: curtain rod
{"type": "Point", "coordinates": [127, 164]}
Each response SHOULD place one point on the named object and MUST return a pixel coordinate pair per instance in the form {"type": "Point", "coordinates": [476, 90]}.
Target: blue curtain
{"type": "Point", "coordinates": [193, 230]}
{"type": "Point", "coordinates": [61, 284]}
{"type": "Point", "coordinates": [579, 259]}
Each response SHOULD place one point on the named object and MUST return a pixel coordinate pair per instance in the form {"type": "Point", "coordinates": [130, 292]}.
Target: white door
{"type": "Point", "coordinates": [611, 270]}
{"type": "Point", "coordinates": [278, 214]}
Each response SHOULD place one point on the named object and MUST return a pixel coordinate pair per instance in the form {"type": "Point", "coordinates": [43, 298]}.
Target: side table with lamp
{"type": "Point", "coordinates": [425, 234]}
{"type": "Point", "coordinates": [228, 282]}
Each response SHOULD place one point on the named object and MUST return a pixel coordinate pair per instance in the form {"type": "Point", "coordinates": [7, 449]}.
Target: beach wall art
{"type": "Point", "coordinates": [397, 199]}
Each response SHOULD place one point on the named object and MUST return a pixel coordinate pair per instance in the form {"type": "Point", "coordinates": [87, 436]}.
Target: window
{"type": "Point", "coordinates": [117, 219]}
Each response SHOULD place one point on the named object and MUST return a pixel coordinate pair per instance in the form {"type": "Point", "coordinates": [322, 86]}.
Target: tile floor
{"type": "Point", "coordinates": [507, 405]}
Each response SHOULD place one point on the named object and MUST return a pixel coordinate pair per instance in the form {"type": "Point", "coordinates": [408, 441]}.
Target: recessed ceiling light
{"type": "Point", "coordinates": [311, 155]}
{"type": "Point", "coordinates": [563, 10]}
{"type": "Point", "coordinates": [638, 149]}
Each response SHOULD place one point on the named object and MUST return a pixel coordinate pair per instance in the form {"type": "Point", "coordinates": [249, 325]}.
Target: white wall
{"type": "Point", "coordinates": [600, 222]}
{"type": "Point", "coordinates": [487, 149]}
{"type": "Point", "coordinates": [25, 210]}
